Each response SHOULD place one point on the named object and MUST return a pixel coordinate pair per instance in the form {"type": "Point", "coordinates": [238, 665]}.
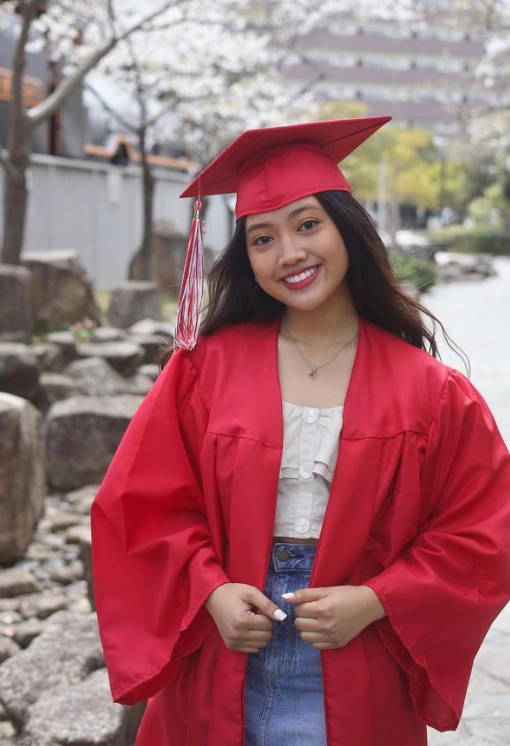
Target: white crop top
{"type": "Point", "coordinates": [310, 452]}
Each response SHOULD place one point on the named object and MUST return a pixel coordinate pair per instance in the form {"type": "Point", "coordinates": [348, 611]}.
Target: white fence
{"type": "Point", "coordinates": [96, 209]}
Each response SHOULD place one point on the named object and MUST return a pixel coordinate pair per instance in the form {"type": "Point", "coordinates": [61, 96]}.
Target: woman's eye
{"type": "Point", "coordinates": [261, 240]}
{"type": "Point", "coordinates": [309, 224]}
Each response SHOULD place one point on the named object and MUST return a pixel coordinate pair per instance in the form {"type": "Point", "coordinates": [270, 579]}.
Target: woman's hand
{"type": "Point", "coordinates": [244, 616]}
{"type": "Point", "coordinates": [331, 617]}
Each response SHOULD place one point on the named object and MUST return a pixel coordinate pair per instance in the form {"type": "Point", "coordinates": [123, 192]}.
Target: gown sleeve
{"type": "Point", "coordinates": [444, 591]}
{"type": "Point", "coordinates": [154, 562]}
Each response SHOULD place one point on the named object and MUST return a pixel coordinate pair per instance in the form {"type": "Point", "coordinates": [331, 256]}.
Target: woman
{"type": "Point", "coordinates": [303, 537]}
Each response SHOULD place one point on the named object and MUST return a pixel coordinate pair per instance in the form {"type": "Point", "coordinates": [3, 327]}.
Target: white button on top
{"type": "Point", "coordinates": [302, 525]}
{"type": "Point", "coordinates": [310, 416]}
{"type": "Point", "coordinates": [306, 471]}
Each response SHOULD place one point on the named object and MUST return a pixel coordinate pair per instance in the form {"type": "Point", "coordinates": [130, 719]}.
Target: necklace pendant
{"type": "Point", "coordinates": [313, 373]}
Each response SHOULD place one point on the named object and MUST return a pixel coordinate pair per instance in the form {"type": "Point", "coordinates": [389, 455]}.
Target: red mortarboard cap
{"type": "Point", "coordinates": [271, 167]}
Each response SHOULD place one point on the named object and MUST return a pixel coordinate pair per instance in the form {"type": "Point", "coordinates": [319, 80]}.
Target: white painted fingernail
{"type": "Point", "coordinates": [280, 615]}
{"type": "Point", "coordinates": [288, 595]}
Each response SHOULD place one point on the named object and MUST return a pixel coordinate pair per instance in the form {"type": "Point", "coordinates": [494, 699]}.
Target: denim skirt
{"type": "Point", "coordinates": [283, 693]}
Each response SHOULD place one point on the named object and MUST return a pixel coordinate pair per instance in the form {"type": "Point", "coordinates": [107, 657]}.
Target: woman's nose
{"type": "Point", "coordinates": [291, 251]}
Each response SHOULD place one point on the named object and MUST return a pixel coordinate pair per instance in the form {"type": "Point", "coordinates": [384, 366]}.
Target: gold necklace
{"type": "Point", "coordinates": [314, 369]}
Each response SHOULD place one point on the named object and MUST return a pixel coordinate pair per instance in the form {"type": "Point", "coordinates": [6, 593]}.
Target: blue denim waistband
{"type": "Point", "coordinates": [287, 557]}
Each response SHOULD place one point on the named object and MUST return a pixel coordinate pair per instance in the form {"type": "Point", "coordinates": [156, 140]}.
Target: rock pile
{"type": "Point", "coordinates": [454, 266]}
{"type": "Point", "coordinates": [15, 316]}
{"type": "Point", "coordinates": [22, 482]}
{"type": "Point", "coordinates": [50, 654]}
{"type": "Point", "coordinates": [60, 290]}
{"type": "Point", "coordinates": [64, 406]}
{"type": "Point", "coordinates": [132, 301]}
{"type": "Point", "coordinates": [82, 434]}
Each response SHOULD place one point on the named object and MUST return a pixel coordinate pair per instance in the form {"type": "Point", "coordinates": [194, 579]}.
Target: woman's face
{"type": "Point", "coordinates": [297, 254]}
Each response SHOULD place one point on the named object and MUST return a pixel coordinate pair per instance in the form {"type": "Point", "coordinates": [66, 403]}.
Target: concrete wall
{"type": "Point", "coordinates": [96, 209]}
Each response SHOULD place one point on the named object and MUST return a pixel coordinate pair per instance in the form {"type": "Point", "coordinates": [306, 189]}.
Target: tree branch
{"type": "Point", "coordinates": [111, 16]}
{"type": "Point", "coordinates": [19, 59]}
{"type": "Point", "coordinates": [45, 109]}
{"type": "Point", "coordinates": [156, 117]}
{"type": "Point", "coordinates": [304, 58]}
{"type": "Point", "coordinates": [115, 114]}
{"type": "Point", "coordinates": [4, 161]}
{"type": "Point", "coordinates": [138, 74]}
{"type": "Point", "coordinates": [139, 92]}
{"type": "Point", "coordinates": [197, 21]}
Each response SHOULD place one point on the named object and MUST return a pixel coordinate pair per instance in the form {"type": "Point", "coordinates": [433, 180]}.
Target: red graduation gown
{"type": "Point", "coordinates": [419, 510]}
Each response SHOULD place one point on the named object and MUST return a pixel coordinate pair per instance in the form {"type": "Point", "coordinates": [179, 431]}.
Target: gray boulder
{"type": "Point", "coordinates": [15, 314]}
{"type": "Point", "coordinates": [455, 266]}
{"type": "Point", "coordinates": [22, 479]}
{"type": "Point", "coordinates": [80, 714]}
{"type": "Point", "coordinates": [8, 648]}
{"type": "Point", "coordinates": [151, 327]}
{"type": "Point", "coordinates": [153, 347]}
{"type": "Point", "coordinates": [151, 371]}
{"type": "Point", "coordinates": [61, 291]}
{"type": "Point", "coordinates": [82, 435]}
{"type": "Point", "coordinates": [46, 606]}
{"type": "Point", "coordinates": [168, 256]}
{"type": "Point", "coordinates": [25, 632]}
{"type": "Point", "coordinates": [66, 343]}
{"type": "Point", "coordinates": [95, 377]}
{"type": "Point", "coordinates": [154, 336]}
{"type": "Point", "coordinates": [54, 387]}
{"type": "Point", "coordinates": [66, 652]}
{"type": "Point", "coordinates": [81, 500]}
{"type": "Point", "coordinates": [108, 334]}
{"type": "Point", "coordinates": [124, 357]}
{"type": "Point", "coordinates": [19, 371]}
{"type": "Point", "coordinates": [132, 302]}
{"type": "Point", "coordinates": [49, 357]}
{"type": "Point", "coordinates": [16, 582]}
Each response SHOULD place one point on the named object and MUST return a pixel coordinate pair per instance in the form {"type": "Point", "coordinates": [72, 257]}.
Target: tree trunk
{"type": "Point", "coordinates": [16, 194]}
{"type": "Point", "coordinates": [140, 267]}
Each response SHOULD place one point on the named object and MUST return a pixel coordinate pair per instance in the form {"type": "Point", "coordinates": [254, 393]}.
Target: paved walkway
{"type": "Point", "coordinates": [486, 719]}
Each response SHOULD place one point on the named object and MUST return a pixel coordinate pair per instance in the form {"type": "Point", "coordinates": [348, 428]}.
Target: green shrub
{"type": "Point", "coordinates": [410, 269]}
{"type": "Point", "coordinates": [482, 239]}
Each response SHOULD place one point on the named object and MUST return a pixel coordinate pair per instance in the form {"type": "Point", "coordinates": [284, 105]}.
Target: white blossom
{"type": "Point", "coordinates": [202, 70]}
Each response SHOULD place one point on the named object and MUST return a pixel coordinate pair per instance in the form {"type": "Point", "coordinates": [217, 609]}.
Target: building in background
{"type": "Point", "coordinates": [421, 74]}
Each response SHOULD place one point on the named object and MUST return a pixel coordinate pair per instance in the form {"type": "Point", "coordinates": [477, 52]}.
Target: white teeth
{"type": "Point", "coordinates": [302, 276]}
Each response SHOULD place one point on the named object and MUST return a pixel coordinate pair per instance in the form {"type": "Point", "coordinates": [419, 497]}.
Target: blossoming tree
{"type": "Point", "coordinates": [82, 33]}
{"type": "Point", "coordinates": [216, 73]}
{"type": "Point", "coordinates": [199, 70]}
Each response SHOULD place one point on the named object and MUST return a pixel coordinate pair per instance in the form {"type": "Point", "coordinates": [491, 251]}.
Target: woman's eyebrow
{"type": "Point", "coordinates": [297, 211]}
{"type": "Point", "coordinates": [303, 208]}
{"type": "Point", "coordinates": [257, 226]}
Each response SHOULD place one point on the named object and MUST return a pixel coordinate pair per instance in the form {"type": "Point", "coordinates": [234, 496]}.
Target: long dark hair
{"type": "Point", "coordinates": [377, 295]}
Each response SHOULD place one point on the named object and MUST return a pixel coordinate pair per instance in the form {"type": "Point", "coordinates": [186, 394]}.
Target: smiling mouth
{"type": "Point", "coordinates": [292, 279]}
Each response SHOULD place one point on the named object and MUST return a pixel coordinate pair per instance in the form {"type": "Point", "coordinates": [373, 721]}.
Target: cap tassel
{"type": "Point", "coordinates": [192, 288]}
